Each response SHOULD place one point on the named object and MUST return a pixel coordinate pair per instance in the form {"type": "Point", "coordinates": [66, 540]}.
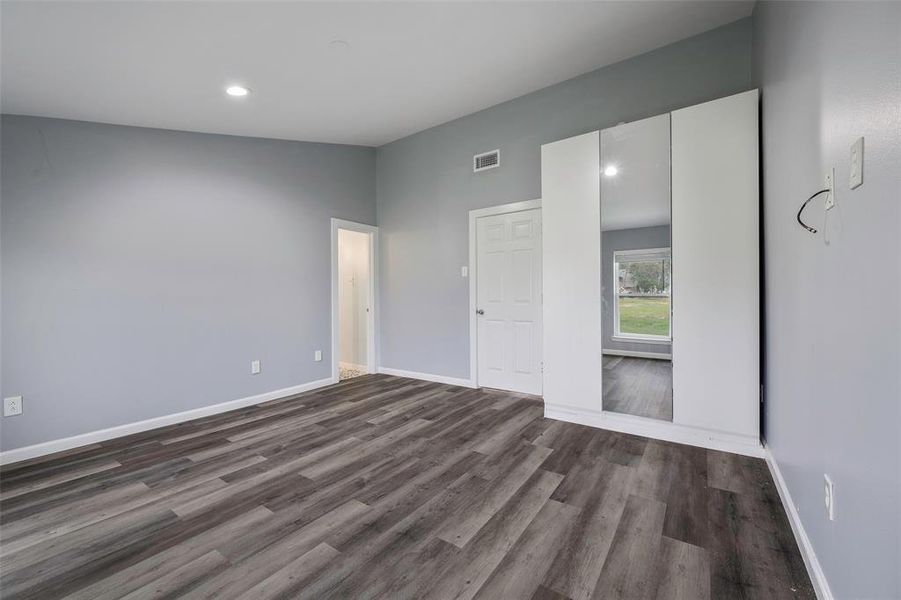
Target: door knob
{"type": "Point", "coordinates": [479, 311]}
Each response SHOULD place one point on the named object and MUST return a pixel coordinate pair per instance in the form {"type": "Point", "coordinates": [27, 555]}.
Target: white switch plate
{"type": "Point", "coordinates": [829, 184]}
{"type": "Point", "coordinates": [464, 271]}
{"type": "Point", "coordinates": [829, 496]}
{"type": "Point", "coordinates": [12, 406]}
{"type": "Point", "coordinates": [254, 367]}
{"type": "Point", "coordinates": [317, 356]}
{"type": "Point", "coordinates": [856, 176]}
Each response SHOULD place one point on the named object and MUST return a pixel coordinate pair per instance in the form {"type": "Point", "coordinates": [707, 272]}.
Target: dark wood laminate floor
{"type": "Point", "coordinates": [638, 386]}
{"type": "Point", "coordinates": [394, 488]}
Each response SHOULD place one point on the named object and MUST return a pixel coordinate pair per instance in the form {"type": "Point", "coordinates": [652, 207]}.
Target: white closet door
{"type": "Point", "coordinates": [570, 204]}
{"type": "Point", "coordinates": [508, 248]}
{"type": "Point", "coordinates": [716, 265]}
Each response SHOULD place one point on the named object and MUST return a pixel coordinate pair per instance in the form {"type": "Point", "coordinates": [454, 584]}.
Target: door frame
{"type": "Point", "coordinates": [474, 215]}
{"type": "Point", "coordinates": [372, 330]}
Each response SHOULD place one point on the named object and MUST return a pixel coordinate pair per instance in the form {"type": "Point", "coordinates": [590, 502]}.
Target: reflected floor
{"type": "Point", "coordinates": [638, 386]}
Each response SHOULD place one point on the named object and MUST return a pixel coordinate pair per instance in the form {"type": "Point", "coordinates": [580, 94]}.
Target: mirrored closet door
{"type": "Point", "coordinates": [651, 276]}
{"type": "Point", "coordinates": [636, 269]}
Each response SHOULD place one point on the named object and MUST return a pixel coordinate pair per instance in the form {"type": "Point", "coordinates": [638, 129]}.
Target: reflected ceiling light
{"type": "Point", "coordinates": [237, 90]}
{"type": "Point", "coordinates": [611, 171]}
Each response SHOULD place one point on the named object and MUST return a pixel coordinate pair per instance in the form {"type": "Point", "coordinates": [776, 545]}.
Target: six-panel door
{"type": "Point", "coordinates": [508, 293]}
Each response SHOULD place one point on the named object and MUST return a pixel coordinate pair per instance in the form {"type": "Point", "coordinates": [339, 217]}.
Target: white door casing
{"type": "Point", "coordinates": [372, 322]}
{"type": "Point", "coordinates": [508, 301]}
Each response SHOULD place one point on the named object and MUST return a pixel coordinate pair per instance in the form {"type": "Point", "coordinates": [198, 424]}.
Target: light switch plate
{"type": "Point", "coordinates": [829, 496]}
{"type": "Point", "coordinates": [317, 356]}
{"type": "Point", "coordinates": [464, 271]}
{"type": "Point", "coordinates": [12, 406]}
{"type": "Point", "coordinates": [255, 367]}
{"type": "Point", "coordinates": [829, 184]}
{"type": "Point", "coordinates": [855, 179]}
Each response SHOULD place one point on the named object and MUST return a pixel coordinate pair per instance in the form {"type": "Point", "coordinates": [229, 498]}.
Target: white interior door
{"type": "Point", "coordinates": [508, 301]}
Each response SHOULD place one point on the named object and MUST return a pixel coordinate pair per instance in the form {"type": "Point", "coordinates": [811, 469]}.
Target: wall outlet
{"type": "Point", "coordinates": [855, 179]}
{"type": "Point", "coordinates": [829, 184]}
{"type": "Point", "coordinates": [317, 356]}
{"type": "Point", "coordinates": [829, 496]}
{"type": "Point", "coordinates": [254, 367]}
{"type": "Point", "coordinates": [12, 406]}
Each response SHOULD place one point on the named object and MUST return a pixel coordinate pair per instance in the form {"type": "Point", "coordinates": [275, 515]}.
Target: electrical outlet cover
{"type": "Point", "coordinates": [830, 185]}
{"type": "Point", "coordinates": [12, 406]}
{"type": "Point", "coordinates": [829, 496]}
{"type": "Point", "coordinates": [855, 179]}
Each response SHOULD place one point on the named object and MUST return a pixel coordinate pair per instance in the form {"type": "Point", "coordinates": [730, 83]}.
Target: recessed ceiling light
{"type": "Point", "coordinates": [339, 45]}
{"type": "Point", "coordinates": [237, 90]}
{"type": "Point", "coordinates": [611, 171]}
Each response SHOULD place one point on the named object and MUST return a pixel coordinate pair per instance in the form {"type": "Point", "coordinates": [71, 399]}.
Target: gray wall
{"type": "Point", "coordinates": [831, 72]}
{"type": "Point", "coordinates": [142, 270]}
{"type": "Point", "coordinates": [426, 186]}
{"type": "Point", "coordinates": [626, 239]}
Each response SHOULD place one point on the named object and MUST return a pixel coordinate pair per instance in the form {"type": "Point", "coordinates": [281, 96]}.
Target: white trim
{"type": "Point", "coordinates": [427, 377]}
{"type": "Point", "coordinates": [101, 435]}
{"type": "Point", "coordinates": [475, 214]}
{"type": "Point", "coordinates": [372, 325]}
{"type": "Point", "coordinates": [814, 570]}
{"type": "Point", "coordinates": [639, 354]}
{"type": "Point", "coordinates": [653, 428]}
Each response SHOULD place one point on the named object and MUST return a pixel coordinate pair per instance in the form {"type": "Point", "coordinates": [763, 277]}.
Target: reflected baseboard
{"type": "Point", "coordinates": [638, 354]}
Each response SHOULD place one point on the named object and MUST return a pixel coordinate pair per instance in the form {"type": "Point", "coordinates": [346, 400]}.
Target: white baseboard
{"type": "Point", "coordinates": [661, 430]}
{"type": "Point", "coordinates": [102, 435]}
{"type": "Point", "coordinates": [638, 354]}
{"type": "Point", "coordinates": [427, 377]}
{"type": "Point", "coordinates": [814, 570]}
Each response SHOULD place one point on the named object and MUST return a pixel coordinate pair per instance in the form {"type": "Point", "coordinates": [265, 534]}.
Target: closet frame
{"type": "Point", "coordinates": [716, 280]}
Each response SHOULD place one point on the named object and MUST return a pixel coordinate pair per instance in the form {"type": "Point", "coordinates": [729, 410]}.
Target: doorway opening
{"type": "Point", "coordinates": [354, 251]}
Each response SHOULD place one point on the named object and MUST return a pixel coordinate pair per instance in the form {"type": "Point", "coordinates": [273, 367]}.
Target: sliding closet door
{"type": "Point", "coordinates": [715, 265]}
{"type": "Point", "coordinates": [570, 203]}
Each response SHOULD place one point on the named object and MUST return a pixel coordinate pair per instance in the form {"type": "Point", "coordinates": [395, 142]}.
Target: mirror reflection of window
{"type": "Point", "coordinates": [642, 298]}
{"type": "Point", "coordinates": [636, 270]}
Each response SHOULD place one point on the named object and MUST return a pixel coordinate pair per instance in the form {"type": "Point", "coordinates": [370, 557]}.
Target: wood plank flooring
{"type": "Point", "coordinates": [638, 386]}
{"type": "Point", "coordinates": [385, 487]}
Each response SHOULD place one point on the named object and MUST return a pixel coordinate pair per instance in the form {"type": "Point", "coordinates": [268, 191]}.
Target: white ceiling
{"type": "Point", "coordinates": [409, 65]}
{"type": "Point", "coordinates": [639, 194]}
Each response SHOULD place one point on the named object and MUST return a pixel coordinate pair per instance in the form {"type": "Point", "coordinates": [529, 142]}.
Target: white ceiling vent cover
{"type": "Point", "coordinates": [486, 160]}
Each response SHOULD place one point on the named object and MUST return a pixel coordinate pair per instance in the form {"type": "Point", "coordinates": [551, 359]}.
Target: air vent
{"type": "Point", "coordinates": [486, 160]}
